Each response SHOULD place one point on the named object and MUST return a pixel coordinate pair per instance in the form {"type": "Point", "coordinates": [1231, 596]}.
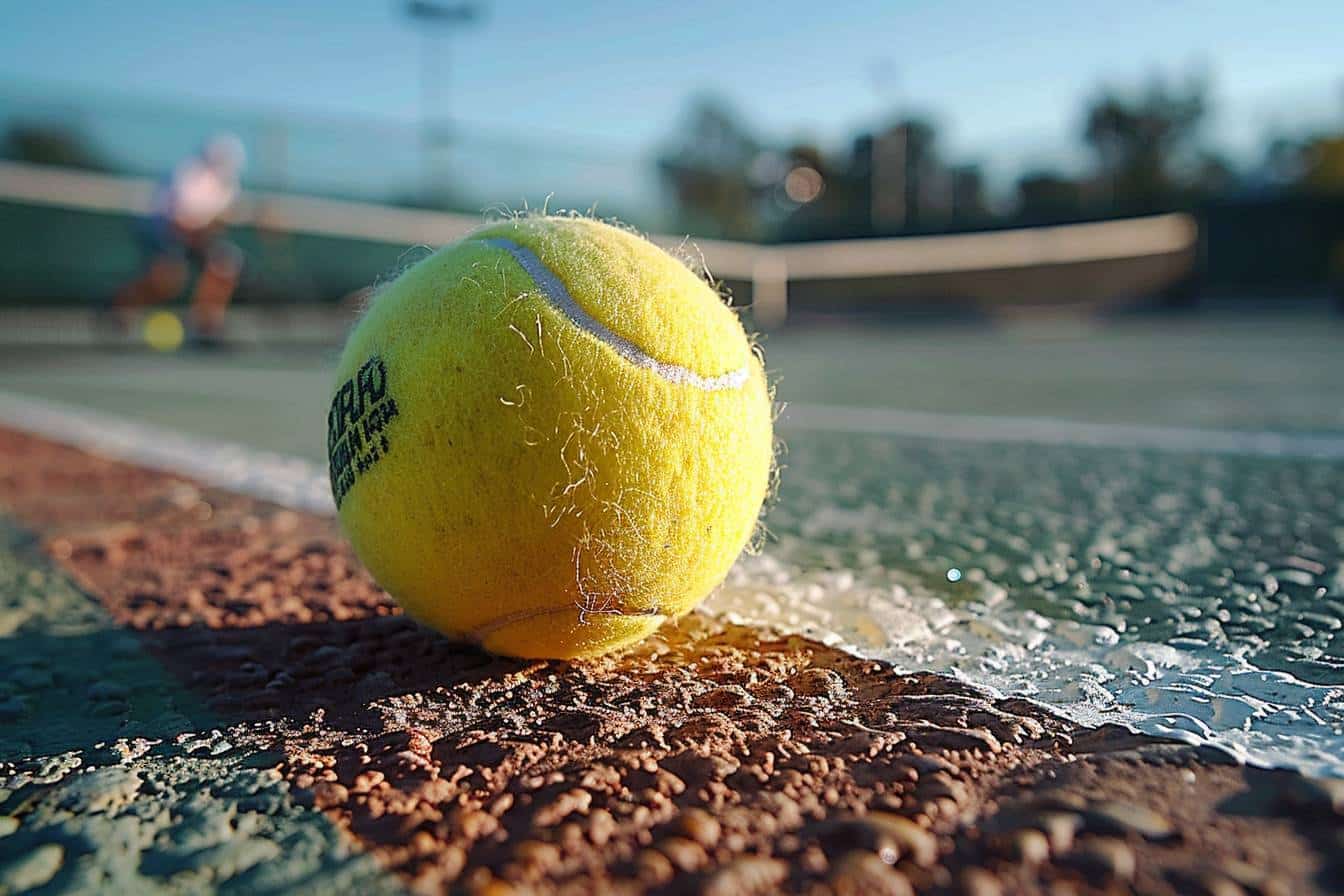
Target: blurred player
{"type": "Point", "coordinates": [186, 225]}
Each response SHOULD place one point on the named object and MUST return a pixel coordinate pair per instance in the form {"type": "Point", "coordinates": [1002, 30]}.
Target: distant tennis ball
{"type": "Point", "coordinates": [549, 438]}
{"type": "Point", "coordinates": [163, 331]}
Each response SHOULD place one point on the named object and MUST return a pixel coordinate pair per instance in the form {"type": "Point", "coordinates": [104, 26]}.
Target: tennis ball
{"type": "Point", "coordinates": [163, 331]}
{"type": "Point", "coordinates": [549, 437]}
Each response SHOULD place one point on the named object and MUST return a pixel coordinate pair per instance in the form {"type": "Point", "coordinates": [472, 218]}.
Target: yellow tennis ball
{"type": "Point", "coordinates": [549, 438]}
{"type": "Point", "coordinates": [163, 331]}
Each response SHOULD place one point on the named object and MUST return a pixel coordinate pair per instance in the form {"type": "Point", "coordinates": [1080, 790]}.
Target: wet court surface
{"type": "Point", "coordinates": [1186, 592]}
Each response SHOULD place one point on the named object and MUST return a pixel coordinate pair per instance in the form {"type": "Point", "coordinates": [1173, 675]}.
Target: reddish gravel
{"type": "Point", "coordinates": [711, 758]}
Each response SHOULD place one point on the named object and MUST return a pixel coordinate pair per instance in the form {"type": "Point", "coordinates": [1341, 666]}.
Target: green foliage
{"type": "Point", "coordinates": [707, 167]}
{"type": "Point", "coordinates": [1141, 142]}
{"type": "Point", "coordinates": [50, 144]}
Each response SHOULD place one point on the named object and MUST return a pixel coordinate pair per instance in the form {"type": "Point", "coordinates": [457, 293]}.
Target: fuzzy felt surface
{"type": "Point", "coordinates": [510, 477]}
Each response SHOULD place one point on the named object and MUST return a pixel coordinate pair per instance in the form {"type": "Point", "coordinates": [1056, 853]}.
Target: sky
{"type": "Point", "coordinates": [1001, 78]}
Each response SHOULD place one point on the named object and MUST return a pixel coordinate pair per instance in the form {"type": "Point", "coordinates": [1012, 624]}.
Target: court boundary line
{"type": "Point", "coordinates": [293, 482]}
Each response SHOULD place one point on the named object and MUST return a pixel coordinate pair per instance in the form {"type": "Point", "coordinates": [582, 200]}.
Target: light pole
{"type": "Point", "coordinates": [435, 21]}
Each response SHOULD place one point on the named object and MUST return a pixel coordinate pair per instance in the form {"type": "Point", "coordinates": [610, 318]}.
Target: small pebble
{"type": "Point", "coordinates": [1103, 856]}
{"type": "Point", "coordinates": [700, 826]}
{"type": "Point", "coordinates": [686, 855]}
{"type": "Point", "coordinates": [1030, 847]}
{"type": "Point", "coordinates": [654, 867]}
{"type": "Point", "coordinates": [747, 876]}
{"type": "Point", "coordinates": [864, 874]}
{"type": "Point", "coordinates": [979, 882]}
{"type": "Point", "coordinates": [1123, 818]}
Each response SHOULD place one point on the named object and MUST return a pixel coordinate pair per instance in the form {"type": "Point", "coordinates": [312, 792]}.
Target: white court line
{"type": "Point", "coordinates": [1047, 431]}
{"type": "Point", "coordinates": [290, 481]}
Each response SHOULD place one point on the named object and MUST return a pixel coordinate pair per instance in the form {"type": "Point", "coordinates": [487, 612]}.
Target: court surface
{"type": "Point", "coordinates": [1138, 519]}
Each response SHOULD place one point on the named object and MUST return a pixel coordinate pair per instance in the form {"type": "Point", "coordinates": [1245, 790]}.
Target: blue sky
{"type": "Point", "coordinates": [1001, 77]}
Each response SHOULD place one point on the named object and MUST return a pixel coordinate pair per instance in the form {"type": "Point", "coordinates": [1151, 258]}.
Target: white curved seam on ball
{"type": "Point", "coordinates": [558, 295]}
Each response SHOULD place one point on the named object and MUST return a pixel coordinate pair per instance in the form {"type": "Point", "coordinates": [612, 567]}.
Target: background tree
{"type": "Point", "coordinates": [1141, 143]}
{"type": "Point", "coordinates": [1322, 166]}
{"type": "Point", "coordinates": [707, 167]}
{"type": "Point", "coordinates": [1046, 197]}
{"type": "Point", "coordinates": [50, 144]}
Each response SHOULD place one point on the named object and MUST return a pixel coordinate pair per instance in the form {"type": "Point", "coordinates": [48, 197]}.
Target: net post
{"type": "Point", "coordinates": [770, 288]}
